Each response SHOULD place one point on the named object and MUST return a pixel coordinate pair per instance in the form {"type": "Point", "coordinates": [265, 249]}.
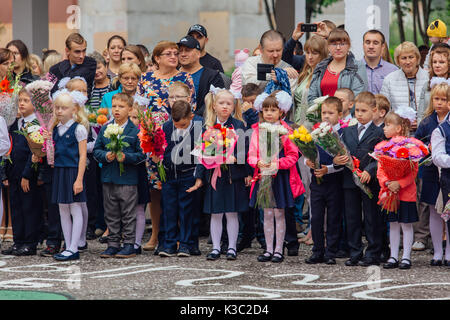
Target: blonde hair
{"type": "Point", "coordinates": [441, 89]}
{"type": "Point", "coordinates": [382, 103]}
{"type": "Point", "coordinates": [367, 98]}
{"type": "Point", "coordinates": [36, 59]}
{"type": "Point", "coordinates": [51, 60]}
{"type": "Point", "coordinates": [180, 85]}
{"type": "Point", "coordinates": [445, 51]}
{"type": "Point", "coordinates": [125, 68]}
{"type": "Point", "coordinates": [71, 82]}
{"type": "Point", "coordinates": [404, 47]}
{"type": "Point", "coordinates": [318, 45]}
{"type": "Point", "coordinates": [65, 99]}
{"type": "Point", "coordinates": [394, 118]}
{"type": "Point", "coordinates": [210, 101]}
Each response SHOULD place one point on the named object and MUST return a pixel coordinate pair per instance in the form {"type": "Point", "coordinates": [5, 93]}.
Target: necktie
{"type": "Point", "coordinates": [22, 126]}
{"type": "Point", "coordinates": [360, 129]}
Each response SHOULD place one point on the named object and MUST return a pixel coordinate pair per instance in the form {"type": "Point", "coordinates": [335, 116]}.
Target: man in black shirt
{"type": "Point", "coordinates": [199, 33]}
{"type": "Point", "coordinates": [203, 77]}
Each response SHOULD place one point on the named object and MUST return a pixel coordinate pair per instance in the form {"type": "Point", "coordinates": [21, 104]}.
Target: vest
{"type": "Point", "coordinates": [66, 148]}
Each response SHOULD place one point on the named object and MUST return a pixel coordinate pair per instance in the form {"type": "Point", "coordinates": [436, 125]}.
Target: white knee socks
{"type": "Point", "coordinates": [72, 224]}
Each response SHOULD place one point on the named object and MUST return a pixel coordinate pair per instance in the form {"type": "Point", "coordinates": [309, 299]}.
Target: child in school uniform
{"type": "Point", "coordinates": [143, 189]}
{"type": "Point", "coordinates": [398, 124]}
{"type": "Point", "coordinates": [120, 194]}
{"type": "Point", "coordinates": [26, 213]}
{"type": "Point", "coordinates": [361, 139]}
{"type": "Point", "coordinates": [230, 196]}
{"type": "Point", "coordinates": [70, 138]}
{"type": "Point", "coordinates": [326, 197]}
{"type": "Point", "coordinates": [286, 185]}
{"type": "Point", "coordinates": [435, 114]}
{"type": "Point", "coordinates": [178, 192]}
{"type": "Point", "coordinates": [440, 147]}
{"type": "Point", "coordinates": [90, 177]}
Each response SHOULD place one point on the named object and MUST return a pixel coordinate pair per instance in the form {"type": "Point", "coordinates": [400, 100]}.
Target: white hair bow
{"type": "Point", "coordinates": [438, 80]}
{"type": "Point", "coordinates": [77, 97]}
{"type": "Point", "coordinates": [215, 90]}
{"type": "Point", "coordinates": [284, 101]}
{"type": "Point", "coordinates": [63, 82]}
{"type": "Point", "coordinates": [140, 100]}
{"type": "Point", "coordinates": [406, 112]}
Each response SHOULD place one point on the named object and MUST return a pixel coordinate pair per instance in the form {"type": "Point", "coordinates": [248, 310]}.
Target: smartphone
{"type": "Point", "coordinates": [309, 27]}
{"type": "Point", "coordinates": [262, 69]}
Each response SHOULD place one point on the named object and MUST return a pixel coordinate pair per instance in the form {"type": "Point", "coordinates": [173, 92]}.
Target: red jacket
{"type": "Point", "coordinates": [287, 162]}
{"type": "Point", "coordinates": [408, 190]}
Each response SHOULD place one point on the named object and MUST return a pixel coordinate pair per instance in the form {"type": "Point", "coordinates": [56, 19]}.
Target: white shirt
{"type": "Point", "coordinates": [367, 125]}
{"type": "Point", "coordinates": [440, 156]}
{"type": "Point", "coordinates": [177, 133]}
{"type": "Point", "coordinates": [5, 143]}
{"type": "Point", "coordinates": [90, 145]}
{"type": "Point", "coordinates": [80, 131]}
{"type": "Point", "coordinates": [348, 117]}
{"type": "Point", "coordinates": [25, 120]}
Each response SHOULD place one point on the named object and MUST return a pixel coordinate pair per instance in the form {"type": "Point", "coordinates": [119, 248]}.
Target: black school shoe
{"type": "Point", "coordinates": [83, 248]}
{"type": "Point", "coordinates": [26, 251]}
{"type": "Point", "coordinates": [405, 265]}
{"type": "Point", "coordinates": [231, 254]}
{"type": "Point", "coordinates": [12, 251]}
{"type": "Point", "coordinates": [314, 259]}
{"type": "Point", "coordinates": [391, 265]}
{"type": "Point", "coordinates": [265, 258]}
{"type": "Point", "coordinates": [277, 257]}
{"type": "Point", "coordinates": [195, 252]}
{"type": "Point", "coordinates": [90, 235]}
{"type": "Point", "coordinates": [213, 255]}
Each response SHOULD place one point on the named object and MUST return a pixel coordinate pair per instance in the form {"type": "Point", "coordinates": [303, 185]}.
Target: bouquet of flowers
{"type": "Point", "coordinates": [40, 97]}
{"type": "Point", "coordinates": [314, 112]}
{"type": "Point", "coordinates": [398, 157]}
{"type": "Point", "coordinates": [33, 132]}
{"type": "Point", "coordinates": [152, 136]}
{"type": "Point", "coordinates": [446, 213]}
{"type": "Point", "coordinates": [303, 140]}
{"type": "Point", "coordinates": [324, 135]}
{"type": "Point", "coordinates": [9, 90]}
{"type": "Point", "coordinates": [216, 148]}
{"type": "Point", "coordinates": [97, 117]}
{"type": "Point", "coordinates": [347, 123]}
{"type": "Point", "coordinates": [113, 132]}
{"type": "Point", "coordinates": [270, 145]}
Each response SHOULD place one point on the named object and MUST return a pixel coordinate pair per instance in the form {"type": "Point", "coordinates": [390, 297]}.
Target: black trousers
{"type": "Point", "coordinates": [326, 198]}
{"type": "Point", "coordinates": [54, 236]}
{"type": "Point", "coordinates": [92, 194]}
{"type": "Point", "coordinates": [26, 213]}
{"type": "Point", "coordinates": [357, 202]}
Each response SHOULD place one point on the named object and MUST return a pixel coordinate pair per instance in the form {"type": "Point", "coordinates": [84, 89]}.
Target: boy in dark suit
{"type": "Point", "coordinates": [26, 213]}
{"type": "Point", "coordinates": [326, 196]}
{"type": "Point", "coordinates": [177, 219]}
{"type": "Point", "coordinates": [361, 140]}
{"type": "Point", "coordinates": [120, 194]}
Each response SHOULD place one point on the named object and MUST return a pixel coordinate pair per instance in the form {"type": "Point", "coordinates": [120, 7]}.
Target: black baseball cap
{"type": "Point", "coordinates": [190, 42]}
{"type": "Point", "coordinates": [198, 28]}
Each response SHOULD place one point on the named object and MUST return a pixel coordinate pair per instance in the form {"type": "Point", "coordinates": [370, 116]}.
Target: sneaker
{"type": "Point", "coordinates": [167, 253]}
{"type": "Point", "coordinates": [110, 252]}
{"type": "Point", "coordinates": [183, 252]}
{"type": "Point", "coordinates": [126, 252]}
{"type": "Point", "coordinates": [50, 251]}
{"type": "Point", "coordinates": [418, 246]}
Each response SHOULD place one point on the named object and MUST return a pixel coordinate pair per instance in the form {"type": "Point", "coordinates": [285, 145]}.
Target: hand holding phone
{"type": "Point", "coordinates": [309, 27]}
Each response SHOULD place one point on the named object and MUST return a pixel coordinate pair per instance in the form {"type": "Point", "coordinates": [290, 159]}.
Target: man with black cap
{"type": "Point", "coordinates": [203, 77]}
{"type": "Point", "coordinates": [199, 33]}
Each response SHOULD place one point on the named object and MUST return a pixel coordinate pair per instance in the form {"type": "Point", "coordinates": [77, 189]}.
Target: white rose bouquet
{"type": "Point", "coordinates": [114, 133]}
{"type": "Point", "coordinates": [314, 112]}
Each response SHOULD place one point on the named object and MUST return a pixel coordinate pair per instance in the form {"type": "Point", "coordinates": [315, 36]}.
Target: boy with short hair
{"type": "Point", "coordinates": [177, 219]}
{"type": "Point", "coordinates": [120, 194]}
{"type": "Point", "coordinates": [361, 139]}
{"type": "Point", "coordinates": [383, 107]}
{"type": "Point", "coordinates": [26, 213]}
{"type": "Point", "coordinates": [326, 196]}
{"type": "Point", "coordinates": [347, 98]}
{"type": "Point", "coordinates": [249, 93]}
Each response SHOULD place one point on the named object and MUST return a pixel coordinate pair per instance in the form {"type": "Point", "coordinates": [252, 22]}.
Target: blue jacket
{"type": "Point", "coordinates": [107, 99]}
{"type": "Point", "coordinates": [110, 172]}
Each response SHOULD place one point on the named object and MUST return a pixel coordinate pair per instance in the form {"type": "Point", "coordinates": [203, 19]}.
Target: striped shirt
{"type": "Point", "coordinates": [97, 95]}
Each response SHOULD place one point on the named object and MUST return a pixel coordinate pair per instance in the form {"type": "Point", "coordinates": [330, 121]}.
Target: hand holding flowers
{"type": "Point", "coordinates": [114, 133]}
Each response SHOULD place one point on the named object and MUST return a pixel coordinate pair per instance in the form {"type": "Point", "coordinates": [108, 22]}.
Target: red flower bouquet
{"type": "Point", "coordinates": [216, 149]}
{"type": "Point", "coordinates": [152, 136]}
{"type": "Point", "coordinates": [398, 157]}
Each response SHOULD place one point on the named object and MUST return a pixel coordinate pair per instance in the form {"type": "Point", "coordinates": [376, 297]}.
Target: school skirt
{"type": "Point", "coordinates": [62, 188]}
{"type": "Point", "coordinates": [407, 213]}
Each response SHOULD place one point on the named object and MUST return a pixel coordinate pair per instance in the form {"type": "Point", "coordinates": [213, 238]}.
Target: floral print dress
{"type": "Point", "coordinates": [157, 91]}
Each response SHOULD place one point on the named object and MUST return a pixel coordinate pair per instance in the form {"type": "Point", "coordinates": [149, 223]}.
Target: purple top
{"type": "Point", "coordinates": [376, 76]}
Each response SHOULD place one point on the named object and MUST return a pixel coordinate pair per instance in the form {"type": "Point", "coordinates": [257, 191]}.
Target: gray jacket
{"type": "Point", "coordinates": [354, 77]}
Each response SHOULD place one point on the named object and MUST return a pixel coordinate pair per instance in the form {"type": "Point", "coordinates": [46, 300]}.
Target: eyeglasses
{"type": "Point", "coordinates": [168, 54]}
{"type": "Point", "coordinates": [340, 44]}
{"type": "Point", "coordinates": [177, 97]}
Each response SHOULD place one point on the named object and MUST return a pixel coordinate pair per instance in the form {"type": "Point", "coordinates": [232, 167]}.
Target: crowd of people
{"type": "Point", "coordinates": [91, 191]}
